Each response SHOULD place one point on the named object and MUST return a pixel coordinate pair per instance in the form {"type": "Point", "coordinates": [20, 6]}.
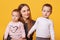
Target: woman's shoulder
{"type": "Point", "coordinates": [33, 21]}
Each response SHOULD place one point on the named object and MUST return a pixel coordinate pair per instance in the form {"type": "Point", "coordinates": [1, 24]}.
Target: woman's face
{"type": "Point", "coordinates": [25, 11]}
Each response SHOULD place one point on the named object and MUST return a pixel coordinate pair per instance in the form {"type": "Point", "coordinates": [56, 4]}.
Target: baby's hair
{"type": "Point", "coordinates": [48, 5]}
{"type": "Point", "coordinates": [15, 10]}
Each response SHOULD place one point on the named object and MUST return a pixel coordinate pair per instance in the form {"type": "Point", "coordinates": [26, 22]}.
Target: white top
{"type": "Point", "coordinates": [44, 28]}
{"type": "Point", "coordinates": [15, 30]}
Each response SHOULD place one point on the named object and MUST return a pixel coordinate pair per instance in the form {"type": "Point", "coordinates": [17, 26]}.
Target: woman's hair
{"type": "Point", "coordinates": [48, 5]}
{"type": "Point", "coordinates": [29, 19]}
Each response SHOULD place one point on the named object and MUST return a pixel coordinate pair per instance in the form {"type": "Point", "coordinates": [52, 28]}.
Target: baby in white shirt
{"type": "Point", "coordinates": [44, 26]}
{"type": "Point", "coordinates": [15, 28]}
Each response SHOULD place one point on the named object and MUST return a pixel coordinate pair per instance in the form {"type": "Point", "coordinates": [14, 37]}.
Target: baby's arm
{"type": "Point", "coordinates": [33, 28]}
{"type": "Point", "coordinates": [6, 33]}
{"type": "Point", "coordinates": [52, 31]}
{"type": "Point", "coordinates": [23, 31]}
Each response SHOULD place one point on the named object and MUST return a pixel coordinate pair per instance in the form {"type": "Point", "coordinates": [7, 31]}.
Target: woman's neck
{"type": "Point", "coordinates": [25, 19]}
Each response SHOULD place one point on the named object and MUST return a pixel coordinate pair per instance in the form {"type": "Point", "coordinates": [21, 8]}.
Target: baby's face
{"type": "Point", "coordinates": [15, 16]}
{"type": "Point", "coordinates": [46, 11]}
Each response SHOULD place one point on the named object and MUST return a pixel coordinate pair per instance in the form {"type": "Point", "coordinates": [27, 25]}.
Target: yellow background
{"type": "Point", "coordinates": [6, 6]}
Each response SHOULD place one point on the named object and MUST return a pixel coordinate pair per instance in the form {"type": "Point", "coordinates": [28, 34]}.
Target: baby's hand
{"type": "Point", "coordinates": [24, 39]}
{"type": "Point", "coordinates": [28, 36]}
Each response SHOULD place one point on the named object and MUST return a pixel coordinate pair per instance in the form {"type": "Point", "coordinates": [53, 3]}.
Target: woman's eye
{"type": "Point", "coordinates": [24, 11]}
{"type": "Point", "coordinates": [28, 10]}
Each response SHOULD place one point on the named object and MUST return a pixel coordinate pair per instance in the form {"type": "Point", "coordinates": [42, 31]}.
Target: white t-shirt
{"type": "Point", "coordinates": [44, 28]}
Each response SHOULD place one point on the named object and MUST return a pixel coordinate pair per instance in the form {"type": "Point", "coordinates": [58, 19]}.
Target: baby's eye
{"type": "Point", "coordinates": [48, 11]}
{"type": "Point", "coordinates": [12, 15]}
{"type": "Point", "coordinates": [17, 16]}
{"type": "Point", "coordinates": [43, 10]}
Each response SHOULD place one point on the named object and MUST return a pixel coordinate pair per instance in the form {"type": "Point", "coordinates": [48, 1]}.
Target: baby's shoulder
{"type": "Point", "coordinates": [20, 23]}
{"type": "Point", "coordinates": [10, 23]}
{"type": "Point", "coordinates": [51, 21]}
{"type": "Point", "coordinates": [39, 18]}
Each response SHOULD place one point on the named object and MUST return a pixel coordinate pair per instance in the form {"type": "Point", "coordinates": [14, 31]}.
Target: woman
{"type": "Point", "coordinates": [25, 14]}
